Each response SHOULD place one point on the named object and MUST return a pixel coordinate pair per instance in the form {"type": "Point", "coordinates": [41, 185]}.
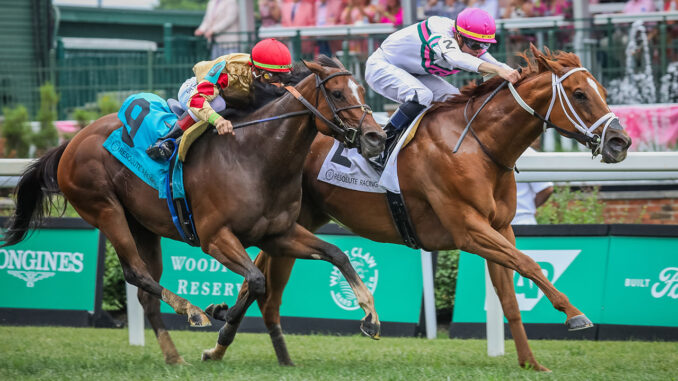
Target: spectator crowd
{"type": "Point", "coordinates": [308, 13]}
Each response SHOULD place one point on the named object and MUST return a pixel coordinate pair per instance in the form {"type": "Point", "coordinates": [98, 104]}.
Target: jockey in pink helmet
{"type": "Point", "coordinates": [409, 65]}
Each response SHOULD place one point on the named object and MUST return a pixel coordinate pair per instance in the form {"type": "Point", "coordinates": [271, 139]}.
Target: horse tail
{"type": "Point", "coordinates": [37, 184]}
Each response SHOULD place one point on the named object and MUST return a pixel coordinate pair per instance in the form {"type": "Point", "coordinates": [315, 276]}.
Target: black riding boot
{"type": "Point", "coordinates": [400, 119]}
{"type": "Point", "coordinates": [163, 148]}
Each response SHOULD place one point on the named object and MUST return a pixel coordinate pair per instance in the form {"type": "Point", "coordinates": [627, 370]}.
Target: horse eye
{"type": "Point", "coordinates": [337, 94]}
{"type": "Point", "coordinates": [579, 95]}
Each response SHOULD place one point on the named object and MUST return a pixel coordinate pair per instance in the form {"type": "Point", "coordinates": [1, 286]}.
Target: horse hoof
{"type": "Point", "coordinates": [369, 328]}
{"type": "Point", "coordinates": [286, 363]}
{"type": "Point", "coordinates": [217, 311]}
{"type": "Point", "coordinates": [536, 367]}
{"type": "Point", "coordinates": [178, 360]}
{"type": "Point", "coordinates": [199, 319]}
{"type": "Point", "coordinates": [578, 322]}
{"type": "Point", "coordinates": [208, 354]}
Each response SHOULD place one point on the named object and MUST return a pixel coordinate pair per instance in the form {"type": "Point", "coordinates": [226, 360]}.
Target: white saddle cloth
{"type": "Point", "coordinates": [346, 168]}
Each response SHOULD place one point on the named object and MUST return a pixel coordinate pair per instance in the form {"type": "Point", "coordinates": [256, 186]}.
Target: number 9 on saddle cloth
{"type": "Point", "coordinates": [145, 117]}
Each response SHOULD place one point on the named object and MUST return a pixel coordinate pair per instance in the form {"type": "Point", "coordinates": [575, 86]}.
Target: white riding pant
{"type": "Point", "coordinates": [184, 96]}
{"type": "Point", "coordinates": [401, 86]}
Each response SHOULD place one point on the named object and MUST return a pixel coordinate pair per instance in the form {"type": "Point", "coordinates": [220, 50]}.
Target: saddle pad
{"type": "Point", "coordinates": [346, 168]}
{"type": "Point", "coordinates": [189, 136]}
{"type": "Point", "coordinates": [143, 116]}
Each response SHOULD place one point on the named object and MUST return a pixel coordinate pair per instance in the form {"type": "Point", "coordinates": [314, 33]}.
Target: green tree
{"type": "Point", "coordinates": [47, 137]}
{"type": "Point", "coordinates": [188, 5]}
{"type": "Point", "coordinates": [16, 131]}
{"type": "Point", "coordinates": [107, 105]}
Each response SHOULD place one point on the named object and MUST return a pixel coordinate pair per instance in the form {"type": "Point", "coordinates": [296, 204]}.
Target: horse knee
{"type": "Point", "coordinates": [256, 284]}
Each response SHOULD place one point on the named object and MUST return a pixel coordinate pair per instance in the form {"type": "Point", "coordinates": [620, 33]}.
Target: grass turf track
{"type": "Point", "coordinates": [103, 354]}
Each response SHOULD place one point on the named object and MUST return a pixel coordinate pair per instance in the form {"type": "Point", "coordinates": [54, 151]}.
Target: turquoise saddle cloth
{"type": "Point", "coordinates": [145, 118]}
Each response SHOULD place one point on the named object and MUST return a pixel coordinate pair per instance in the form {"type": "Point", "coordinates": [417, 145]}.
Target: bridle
{"type": "Point", "coordinates": [585, 133]}
{"type": "Point", "coordinates": [349, 134]}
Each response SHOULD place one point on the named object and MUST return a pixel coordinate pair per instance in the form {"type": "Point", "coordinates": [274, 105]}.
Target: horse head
{"type": "Point", "coordinates": [343, 112]}
{"type": "Point", "coordinates": [578, 108]}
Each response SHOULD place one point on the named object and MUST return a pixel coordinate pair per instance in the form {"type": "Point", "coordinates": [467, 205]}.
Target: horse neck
{"type": "Point", "coordinates": [508, 136]}
{"type": "Point", "coordinates": [284, 144]}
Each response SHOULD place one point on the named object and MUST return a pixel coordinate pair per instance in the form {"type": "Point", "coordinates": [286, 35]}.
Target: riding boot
{"type": "Point", "coordinates": [163, 148]}
{"type": "Point", "coordinates": [400, 119]}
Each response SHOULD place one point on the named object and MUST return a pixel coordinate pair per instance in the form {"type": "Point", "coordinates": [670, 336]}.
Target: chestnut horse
{"type": "Point", "coordinates": [466, 200]}
{"type": "Point", "coordinates": [245, 190]}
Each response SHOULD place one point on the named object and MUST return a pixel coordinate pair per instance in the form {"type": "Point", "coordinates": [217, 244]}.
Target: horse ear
{"type": "Point", "coordinates": [544, 63]}
{"type": "Point", "coordinates": [341, 65]}
{"type": "Point", "coordinates": [314, 66]}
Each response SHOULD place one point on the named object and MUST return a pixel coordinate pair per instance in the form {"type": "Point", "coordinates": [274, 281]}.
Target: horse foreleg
{"type": "Point", "coordinates": [148, 245]}
{"type": "Point", "coordinates": [227, 249]}
{"type": "Point", "coordinates": [300, 243]}
{"type": "Point", "coordinates": [114, 225]}
{"type": "Point", "coordinates": [502, 279]}
{"type": "Point", "coordinates": [277, 271]}
{"type": "Point", "coordinates": [483, 240]}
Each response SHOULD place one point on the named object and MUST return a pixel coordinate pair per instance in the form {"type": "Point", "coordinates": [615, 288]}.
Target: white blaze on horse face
{"type": "Point", "coordinates": [354, 89]}
{"type": "Point", "coordinates": [592, 83]}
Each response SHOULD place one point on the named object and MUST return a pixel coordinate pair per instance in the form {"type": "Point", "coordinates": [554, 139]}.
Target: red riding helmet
{"type": "Point", "coordinates": [271, 55]}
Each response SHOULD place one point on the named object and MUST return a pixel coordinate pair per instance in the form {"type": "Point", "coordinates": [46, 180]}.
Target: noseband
{"type": "Point", "coordinates": [585, 133]}
{"type": "Point", "coordinates": [350, 134]}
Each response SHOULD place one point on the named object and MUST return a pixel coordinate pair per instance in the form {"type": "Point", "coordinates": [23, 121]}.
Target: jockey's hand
{"type": "Point", "coordinates": [224, 127]}
{"type": "Point", "coordinates": [510, 75]}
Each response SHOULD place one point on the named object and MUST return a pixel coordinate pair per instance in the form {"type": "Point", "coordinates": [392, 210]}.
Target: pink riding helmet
{"type": "Point", "coordinates": [476, 24]}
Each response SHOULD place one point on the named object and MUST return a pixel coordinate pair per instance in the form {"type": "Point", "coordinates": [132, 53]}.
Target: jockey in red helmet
{"type": "Point", "coordinates": [409, 65]}
{"type": "Point", "coordinates": [227, 77]}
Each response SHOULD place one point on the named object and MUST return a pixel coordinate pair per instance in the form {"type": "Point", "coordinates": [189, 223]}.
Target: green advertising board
{"type": "Point", "coordinates": [614, 280]}
{"type": "Point", "coordinates": [573, 264]}
{"type": "Point", "coordinates": [52, 269]}
{"type": "Point", "coordinates": [316, 288]}
{"type": "Point", "coordinates": [641, 287]}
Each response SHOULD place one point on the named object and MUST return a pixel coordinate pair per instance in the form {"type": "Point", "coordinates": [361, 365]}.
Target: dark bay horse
{"type": "Point", "coordinates": [465, 200]}
{"type": "Point", "coordinates": [245, 190]}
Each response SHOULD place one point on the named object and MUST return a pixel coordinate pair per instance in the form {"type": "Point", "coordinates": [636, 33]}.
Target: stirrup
{"type": "Point", "coordinates": [162, 150]}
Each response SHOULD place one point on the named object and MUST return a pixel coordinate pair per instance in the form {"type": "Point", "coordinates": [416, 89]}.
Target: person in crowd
{"type": "Point", "coordinates": [328, 12]}
{"type": "Point", "coordinates": [444, 8]}
{"type": "Point", "coordinates": [489, 6]}
{"type": "Point", "coordinates": [543, 8]}
{"type": "Point", "coordinates": [220, 27]}
{"type": "Point", "coordinates": [639, 6]}
{"type": "Point", "coordinates": [298, 13]}
{"type": "Point", "coordinates": [530, 196]}
{"type": "Point", "coordinates": [409, 65]}
{"type": "Point", "coordinates": [390, 11]}
{"type": "Point", "coordinates": [518, 9]}
{"type": "Point", "coordinates": [228, 77]}
{"type": "Point", "coordinates": [358, 12]}
{"type": "Point", "coordinates": [269, 11]}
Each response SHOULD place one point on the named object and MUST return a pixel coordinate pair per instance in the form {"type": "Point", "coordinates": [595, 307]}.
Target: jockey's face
{"type": "Point", "coordinates": [470, 46]}
{"type": "Point", "coordinates": [265, 76]}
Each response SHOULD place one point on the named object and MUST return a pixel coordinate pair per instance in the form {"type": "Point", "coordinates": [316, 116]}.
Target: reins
{"type": "Point", "coordinates": [337, 125]}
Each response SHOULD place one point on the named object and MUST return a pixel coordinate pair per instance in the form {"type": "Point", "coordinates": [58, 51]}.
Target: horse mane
{"type": "Point", "coordinates": [475, 90]}
{"type": "Point", "coordinates": [265, 93]}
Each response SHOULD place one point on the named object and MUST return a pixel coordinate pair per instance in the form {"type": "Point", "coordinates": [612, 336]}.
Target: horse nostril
{"type": "Point", "coordinates": [618, 144]}
{"type": "Point", "coordinates": [374, 138]}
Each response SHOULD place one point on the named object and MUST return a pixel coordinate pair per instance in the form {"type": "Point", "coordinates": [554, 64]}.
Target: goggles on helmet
{"type": "Point", "coordinates": [266, 75]}
{"type": "Point", "coordinates": [475, 45]}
